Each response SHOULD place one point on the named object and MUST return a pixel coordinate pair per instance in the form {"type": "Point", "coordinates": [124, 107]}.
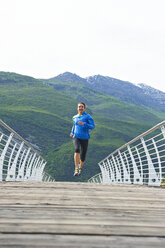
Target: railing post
{"type": "Point", "coordinates": [153, 178]}
{"type": "Point", "coordinates": [141, 165]}
{"type": "Point", "coordinates": [127, 164]}
{"type": "Point", "coordinates": [2, 157]}
{"type": "Point", "coordinates": [136, 177]}
{"type": "Point", "coordinates": [111, 171]}
{"type": "Point", "coordinates": [163, 131]}
{"type": "Point", "coordinates": [10, 161]}
{"type": "Point", "coordinates": [126, 175]}
{"type": "Point", "coordinates": [35, 164]}
{"type": "Point", "coordinates": [104, 172]}
{"type": "Point", "coordinates": [12, 170]}
{"type": "Point", "coordinates": [119, 169]}
{"type": "Point", "coordinates": [20, 176]}
{"type": "Point", "coordinates": [41, 169]}
{"type": "Point", "coordinates": [106, 176]}
{"type": "Point", "coordinates": [28, 171]}
{"type": "Point", "coordinates": [159, 162]}
{"type": "Point", "coordinates": [118, 174]}
{"type": "Point", "coordinates": [100, 178]}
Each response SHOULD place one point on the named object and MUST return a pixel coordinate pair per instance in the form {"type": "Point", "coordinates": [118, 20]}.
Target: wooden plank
{"type": "Point", "coordinates": [84, 229]}
{"type": "Point", "coordinates": [72, 241]}
{"type": "Point", "coordinates": [84, 221]}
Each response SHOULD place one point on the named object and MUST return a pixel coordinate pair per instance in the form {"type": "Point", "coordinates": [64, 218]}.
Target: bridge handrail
{"type": "Point", "coordinates": [140, 161]}
{"type": "Point", "coordinates": [19, 161]}
{"type": "Point", "coordinates": [96, 179]}
{"type": "Point", "coordinates": [137, 138]}
{"type": "Point", "coordinates": [14, 132]}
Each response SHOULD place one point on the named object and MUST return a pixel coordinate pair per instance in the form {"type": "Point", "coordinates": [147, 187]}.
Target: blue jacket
{"type": "Point", "coordinates": [82, 131]}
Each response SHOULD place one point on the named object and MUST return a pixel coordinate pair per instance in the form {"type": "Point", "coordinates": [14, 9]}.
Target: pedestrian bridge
{"type": "Point", "coordinates": [140, 161]}
{"type": "Point", "coordinates": [118, 209]}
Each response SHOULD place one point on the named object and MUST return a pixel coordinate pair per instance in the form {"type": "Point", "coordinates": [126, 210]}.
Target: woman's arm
{"type": "Point", "coordinates": [72, 131]}
{"type": "Point", "coordinates": [90, 123]}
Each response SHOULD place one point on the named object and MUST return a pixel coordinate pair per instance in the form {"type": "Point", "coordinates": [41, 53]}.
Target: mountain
{"type": "Point", "coordinates": [41, 112]}
{"type": "Point", "coordinates": [68, 77]}
{"type": "Point", "coordinates": [139, 95]}
{"type": "Point", "coordinates": [156, 94]}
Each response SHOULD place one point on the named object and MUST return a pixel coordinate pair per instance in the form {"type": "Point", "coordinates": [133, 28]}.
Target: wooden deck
{"type": "Point", "coordinates": [69, 215]}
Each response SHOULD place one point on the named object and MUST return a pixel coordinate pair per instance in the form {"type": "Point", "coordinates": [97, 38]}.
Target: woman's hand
{"type": "Point", "coordinates": [71, 135]}
{"type": "Point", "coordinates": [81, 123]}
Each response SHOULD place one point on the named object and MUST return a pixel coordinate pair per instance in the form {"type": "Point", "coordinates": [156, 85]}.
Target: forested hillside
{"type": "Point", "coordinates": [41, 113]}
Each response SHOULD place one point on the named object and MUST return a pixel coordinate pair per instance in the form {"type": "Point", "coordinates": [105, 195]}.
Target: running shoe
{"type": "Point", "coordinates": [76, 172]}
{"type": "Point", "coordinates": [79, 171]}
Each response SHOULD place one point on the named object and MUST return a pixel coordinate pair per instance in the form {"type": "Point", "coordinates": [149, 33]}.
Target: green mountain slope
{"type": "Point", "coordinates": [43, 116]}
{"type": "Point", "coordinates": [37, 112]}
{"type": "Point", "coordinates": [105, 105]}
{"type": "Point", "coordinates": [139, 95]}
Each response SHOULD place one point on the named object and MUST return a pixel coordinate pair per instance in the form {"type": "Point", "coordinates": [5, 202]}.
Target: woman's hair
{"type": "Point", "coordinates": [82, 104]}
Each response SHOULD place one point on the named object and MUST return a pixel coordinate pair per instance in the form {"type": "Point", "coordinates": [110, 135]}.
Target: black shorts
{"type": "Point", "coordinates": [81, 146]}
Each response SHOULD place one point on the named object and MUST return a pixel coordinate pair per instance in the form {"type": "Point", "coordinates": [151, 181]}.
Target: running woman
{"type": "Point", "coordinates": [82, 122]}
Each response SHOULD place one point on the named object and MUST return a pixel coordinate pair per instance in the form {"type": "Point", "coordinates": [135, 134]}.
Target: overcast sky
{"type": "Point", "coordinates": [124, 39]}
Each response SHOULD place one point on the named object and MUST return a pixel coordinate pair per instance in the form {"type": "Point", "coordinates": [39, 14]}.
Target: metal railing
{"type": "Point", "coordinates": [96, 179]}
{"type": "Point", "coordinates": [19, 161]}
{"type": "Point", "coordinates": [140, 161]}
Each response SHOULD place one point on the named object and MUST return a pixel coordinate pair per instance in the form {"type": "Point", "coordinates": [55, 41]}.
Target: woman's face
{"type": "Point", "coordinates": [81, 108]}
